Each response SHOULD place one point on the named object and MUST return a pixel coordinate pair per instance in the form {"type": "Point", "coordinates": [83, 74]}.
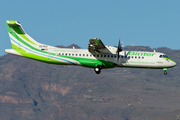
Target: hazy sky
{"type": "Point", "coordinates": [154, 23]}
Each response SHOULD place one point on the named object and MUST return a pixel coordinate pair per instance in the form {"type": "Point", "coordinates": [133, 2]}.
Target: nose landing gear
{"type": "Point", "coordinates": [165, 71]}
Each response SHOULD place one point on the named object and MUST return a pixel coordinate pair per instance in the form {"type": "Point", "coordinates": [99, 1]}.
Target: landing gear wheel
{"type": "Point", "coordinates": [97, 70]}
{"type": "Point", "coordinates": [165, 73]}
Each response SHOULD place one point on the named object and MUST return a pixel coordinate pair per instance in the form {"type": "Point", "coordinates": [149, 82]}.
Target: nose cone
{"type": "Point", "coordinates": [173, 64]}
{"type": "Point", "coordinates": [170, 63]}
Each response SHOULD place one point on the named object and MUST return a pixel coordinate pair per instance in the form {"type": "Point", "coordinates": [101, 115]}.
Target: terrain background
{"type": "Point", "coordinates": [32, 90]}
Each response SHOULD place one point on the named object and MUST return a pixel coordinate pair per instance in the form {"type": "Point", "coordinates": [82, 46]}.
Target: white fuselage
{"type": "Point", "coordinates": [136, 59]}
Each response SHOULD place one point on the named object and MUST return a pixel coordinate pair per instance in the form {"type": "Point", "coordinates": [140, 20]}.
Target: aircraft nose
{"type": "Point", "coordinates": [173, 63]}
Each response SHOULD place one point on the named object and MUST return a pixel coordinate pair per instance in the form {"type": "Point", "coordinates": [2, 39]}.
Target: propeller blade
{"type": "Point", "coordinates": [119, 46]}
{"type": "Point", "coordinates": [118, 50]}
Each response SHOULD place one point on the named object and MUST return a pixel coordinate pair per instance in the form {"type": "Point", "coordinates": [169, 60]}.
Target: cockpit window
{"type": "Point", "coordinates": [163, 56]}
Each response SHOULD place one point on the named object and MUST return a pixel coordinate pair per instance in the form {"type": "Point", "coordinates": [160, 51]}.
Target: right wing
{"type": "Point", "coordinates": [97, 46]}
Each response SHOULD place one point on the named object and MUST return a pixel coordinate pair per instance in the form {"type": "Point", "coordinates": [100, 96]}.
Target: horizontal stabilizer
{"type": "Point", "coordinates": [12, 51]}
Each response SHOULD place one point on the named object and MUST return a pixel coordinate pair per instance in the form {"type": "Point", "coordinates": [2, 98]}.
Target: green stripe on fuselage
{"type": "Point", "coordinates": [169, 59]}
{"type": "Point", "coordinates": [87, 62]}
{"type": "Point", "coordinates": [36, 57]}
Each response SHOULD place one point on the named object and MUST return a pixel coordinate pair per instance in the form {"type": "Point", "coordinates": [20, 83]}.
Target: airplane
{"type": "Point", "coordinates": [97, 56]}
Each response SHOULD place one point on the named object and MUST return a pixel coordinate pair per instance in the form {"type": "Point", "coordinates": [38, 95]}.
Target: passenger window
{"type": "Point", "coordinates": [101, 55]}
{"type": "Point", "coordinates": [135, 57]}
{"type": "Point", "coordinates": [69, 54]}
{"type": "Point", "coordinates": [142, 57]}
{"type": "Point", "coordinates": [87, 55]}
{"type": "Point", "coordinates": [94, 55]}
{"type": "Point", "coordinates": [66, 54]}
{"type": "Point", "coordinates": [97, 55]}
{"type": "Point", "coordinates": [62, 53]}
{"type": "Point", "coordinates": [79, 54]}
{"type": "Point", "coordinates": [76, 54]}
{"type": "Point", "coordinates": [83, 55]}
{"type": "Point", "coordinates": [132, 56]}
{"type": "Point", "coordinates": [72, 54]}
{"type": "Point", "coordinates": [114, 56]}
{"type": "Point", "coordinates": [111, 56]}
{"type": "Point", "coordinates": [121, 56]}
{"type": "Point", "coordinates": [108, 56]}
{"type": "Point", "coordinates": [139, 57]}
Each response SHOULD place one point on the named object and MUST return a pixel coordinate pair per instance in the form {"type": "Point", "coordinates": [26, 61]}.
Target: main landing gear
{"type": "Point", "coordinates": [98, 69]}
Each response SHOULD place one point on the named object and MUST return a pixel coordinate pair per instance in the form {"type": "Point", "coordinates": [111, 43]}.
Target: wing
{"type": "Point", "coordinates": [96, 45]}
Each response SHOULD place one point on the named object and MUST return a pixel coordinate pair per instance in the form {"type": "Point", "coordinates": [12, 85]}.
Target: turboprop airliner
{"type": "Point", "coordinates": [97, 56]}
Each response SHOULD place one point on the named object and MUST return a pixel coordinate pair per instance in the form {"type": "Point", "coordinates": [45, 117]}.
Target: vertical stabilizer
{"type": "Point", "coordinates": [18, 36]}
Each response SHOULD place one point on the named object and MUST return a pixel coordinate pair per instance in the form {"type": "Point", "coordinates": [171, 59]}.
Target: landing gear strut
{"type": "Point", "coordinates": [98, 69]}
{"type": "Point", "coordinates": [165, 71]}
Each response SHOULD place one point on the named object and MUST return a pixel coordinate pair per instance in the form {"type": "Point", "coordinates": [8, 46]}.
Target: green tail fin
{"type": "Point", "coordinates": [17, 33]}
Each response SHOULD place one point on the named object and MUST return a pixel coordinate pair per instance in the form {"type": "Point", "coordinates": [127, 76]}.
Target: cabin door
{"type": "Point", "coordinates": [49, 58]}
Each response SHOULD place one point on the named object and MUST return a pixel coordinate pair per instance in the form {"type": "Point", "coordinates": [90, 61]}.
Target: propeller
{"type": "Point", "coordinates": [119, 49]}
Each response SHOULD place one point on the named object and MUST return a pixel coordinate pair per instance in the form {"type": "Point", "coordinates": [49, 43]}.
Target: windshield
{"type": "Point", "coordinates": [163, 56]}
